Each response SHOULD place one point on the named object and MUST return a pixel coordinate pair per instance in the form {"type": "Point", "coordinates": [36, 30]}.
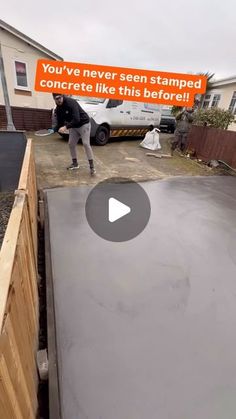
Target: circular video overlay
{"type": "Point", "coordinates": [118, 209]}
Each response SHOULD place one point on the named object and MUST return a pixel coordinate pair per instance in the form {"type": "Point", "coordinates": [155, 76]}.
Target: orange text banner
{"type": "Point", "coordinates": [118, 83]}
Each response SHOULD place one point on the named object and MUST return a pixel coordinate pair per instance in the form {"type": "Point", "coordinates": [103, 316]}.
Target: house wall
{"type": "Point", "coordinates": [14, 48]}
{"type": "Point", "coordinates": [226, 92]}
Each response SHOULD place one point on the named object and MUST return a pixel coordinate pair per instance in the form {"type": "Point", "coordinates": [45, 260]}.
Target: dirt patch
{"type": "Point", "coordinates": [6, 202]}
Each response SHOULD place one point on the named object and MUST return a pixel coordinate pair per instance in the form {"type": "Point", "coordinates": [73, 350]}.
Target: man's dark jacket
{"type": "Point", "coordinates": [69, 114]}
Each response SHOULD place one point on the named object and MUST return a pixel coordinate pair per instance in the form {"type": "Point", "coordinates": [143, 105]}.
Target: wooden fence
{"type": "Point", "coordinates": [27, 119]}
{"type": "Point", "coordinates": [19, 301]}
{"type": "Point", "coordinates": [213, 144]}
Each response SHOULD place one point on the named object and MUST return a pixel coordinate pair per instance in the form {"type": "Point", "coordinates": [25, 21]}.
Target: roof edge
{"type": "Point", "coordinates": [226, 80]}
{"type": "Point", "coordinates": [27, 39]}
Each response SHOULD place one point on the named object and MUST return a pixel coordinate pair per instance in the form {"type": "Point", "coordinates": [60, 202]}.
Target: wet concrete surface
{"type": "Point", "coordinates": [146, 328]}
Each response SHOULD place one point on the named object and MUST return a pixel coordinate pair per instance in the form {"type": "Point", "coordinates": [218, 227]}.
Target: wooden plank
{"type": "Point", "coordinates": [22, 308]}
{"type": "Point", "coordinates": [9, 349]}
{"type": "Point", "coordinates": [27, 183]}
{"type": "Point", "coordinates": [19, 311]}
{"type": "Point", "coordinates": [33, 203]}
{"type": "Point", "coordinates": [22, 287]}
{"type": "Point", "coordinates": [8, 250]}
{"type": "Point", "coordinates": [27, 257]}
{"type": "Point", "coordinates": [24, 337]}
{"type": "Point", "coordinates": [30, 399]}
{"type": "Point", "coordinates": [21, 299]}
{"type": "Point", "coordinates": [32, 269]}
{"type": "Point", "coordinates": [7, 258]}
{"type": "Point", "coordinates": [9, 389]}
{"type": "Point", "coordinates": [23, 181]}
{"type": "Point", "coordinates": [5, 405]}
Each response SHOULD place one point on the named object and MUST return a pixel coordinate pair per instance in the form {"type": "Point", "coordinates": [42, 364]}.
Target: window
{"type": "Point", "coordinates": [166, 112]}
{"type": "Point", "coordinates": [151, 106]}
{"type": "Point", "coordinates": [112, 103]}
{"type": "Point", "coordinates": [21, 75]}
{"type": "Point", "coordinates": [206, 101]}
{"type": "Point", "coordinates": [232, 106]}
{"type": "Point", "coordinates": [215, 101]}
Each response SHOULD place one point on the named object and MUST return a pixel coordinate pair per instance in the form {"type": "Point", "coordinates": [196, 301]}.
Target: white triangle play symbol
{"type": "Point", "coordinates": [117, 210]}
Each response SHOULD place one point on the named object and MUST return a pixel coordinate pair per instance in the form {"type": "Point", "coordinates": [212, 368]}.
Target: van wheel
{"type": "Point", "coordinates": [102, 135]}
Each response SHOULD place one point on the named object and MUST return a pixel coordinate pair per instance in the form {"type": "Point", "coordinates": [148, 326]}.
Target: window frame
{"type": "Point", "coordinates": [208, 101]}
{"type": "Point", "coordinates": [217, 101]}
{"type": "Point", "coordinates": [233, 98]}
{"type": "Point", "coordinates": [17, 60]}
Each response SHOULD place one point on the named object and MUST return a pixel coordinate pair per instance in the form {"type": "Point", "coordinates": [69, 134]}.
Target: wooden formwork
{"type": "Point", "coordinates": [27, 184]}
{"type": "Point", "coordinates": [19, 301]}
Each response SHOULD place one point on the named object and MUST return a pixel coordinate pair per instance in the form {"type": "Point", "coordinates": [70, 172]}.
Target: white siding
{"type": "Point", "coordinates": [226, 92]}
{"type": "Point", "coordinates": [14, 48]}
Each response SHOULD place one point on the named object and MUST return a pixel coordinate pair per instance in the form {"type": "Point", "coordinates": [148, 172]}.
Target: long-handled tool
{"type": "Point", "coordinates": [44, 132]}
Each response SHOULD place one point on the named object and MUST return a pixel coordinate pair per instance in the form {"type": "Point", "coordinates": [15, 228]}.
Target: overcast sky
{"type": "Point", "coordinates": [175, 35]}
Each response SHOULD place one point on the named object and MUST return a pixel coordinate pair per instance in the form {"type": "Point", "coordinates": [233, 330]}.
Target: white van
{"type": "Point", "coordinates": [118, 118]}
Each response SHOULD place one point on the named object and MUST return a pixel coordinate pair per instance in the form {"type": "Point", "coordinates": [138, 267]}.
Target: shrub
{"type": "Point", "coordinates": [214, 117]}
{"type": "Point", "coordinates": [176, 109]}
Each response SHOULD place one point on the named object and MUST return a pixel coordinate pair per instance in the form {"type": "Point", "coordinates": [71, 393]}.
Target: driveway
{"type": "Point", "coordinates": [145, 328]}
{"type": "Point", "coordinates": [120, 157]}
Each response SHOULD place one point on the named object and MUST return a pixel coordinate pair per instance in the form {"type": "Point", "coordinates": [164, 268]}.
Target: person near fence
{"type": "Point", "coordinates": [69, 115]}
{"type": "Point", "coordinates": [184, 119]}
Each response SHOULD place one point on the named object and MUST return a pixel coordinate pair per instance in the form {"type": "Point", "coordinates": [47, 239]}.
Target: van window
{"type": "Point", "coordinates": [112, 103]}
{"type": "Point", "coordinates": [166, 112]}
{"type": "Point", "coordinates": [151, 106]}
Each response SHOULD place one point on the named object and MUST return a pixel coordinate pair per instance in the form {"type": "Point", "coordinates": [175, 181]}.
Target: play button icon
{"type": "Point", "coordinates": [117, 209]}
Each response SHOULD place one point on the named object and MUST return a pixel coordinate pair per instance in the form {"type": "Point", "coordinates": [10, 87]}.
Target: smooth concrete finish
{"type": "Point", "coordinates": [146, 328]}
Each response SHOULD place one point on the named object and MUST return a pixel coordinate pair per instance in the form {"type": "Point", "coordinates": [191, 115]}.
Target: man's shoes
{"type": "Point", "coordinates": [92, 171]}
{"type": "Point", "coordinates": [73, 166]}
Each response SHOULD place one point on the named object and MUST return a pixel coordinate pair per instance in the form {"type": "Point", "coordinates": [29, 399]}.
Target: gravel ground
{"type": "Point", "coordinates": [6, 202]}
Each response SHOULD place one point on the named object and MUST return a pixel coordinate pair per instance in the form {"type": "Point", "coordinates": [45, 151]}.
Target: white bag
{"type": "Point", "coordinates": [151, 140]}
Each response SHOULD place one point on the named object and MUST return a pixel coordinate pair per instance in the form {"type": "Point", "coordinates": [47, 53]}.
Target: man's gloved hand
{"type": "Point", "coordinates": [62, 130]}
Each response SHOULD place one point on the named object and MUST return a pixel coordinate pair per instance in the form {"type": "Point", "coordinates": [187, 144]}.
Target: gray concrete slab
{"type": "Point", "coordinates": [146, 328]}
